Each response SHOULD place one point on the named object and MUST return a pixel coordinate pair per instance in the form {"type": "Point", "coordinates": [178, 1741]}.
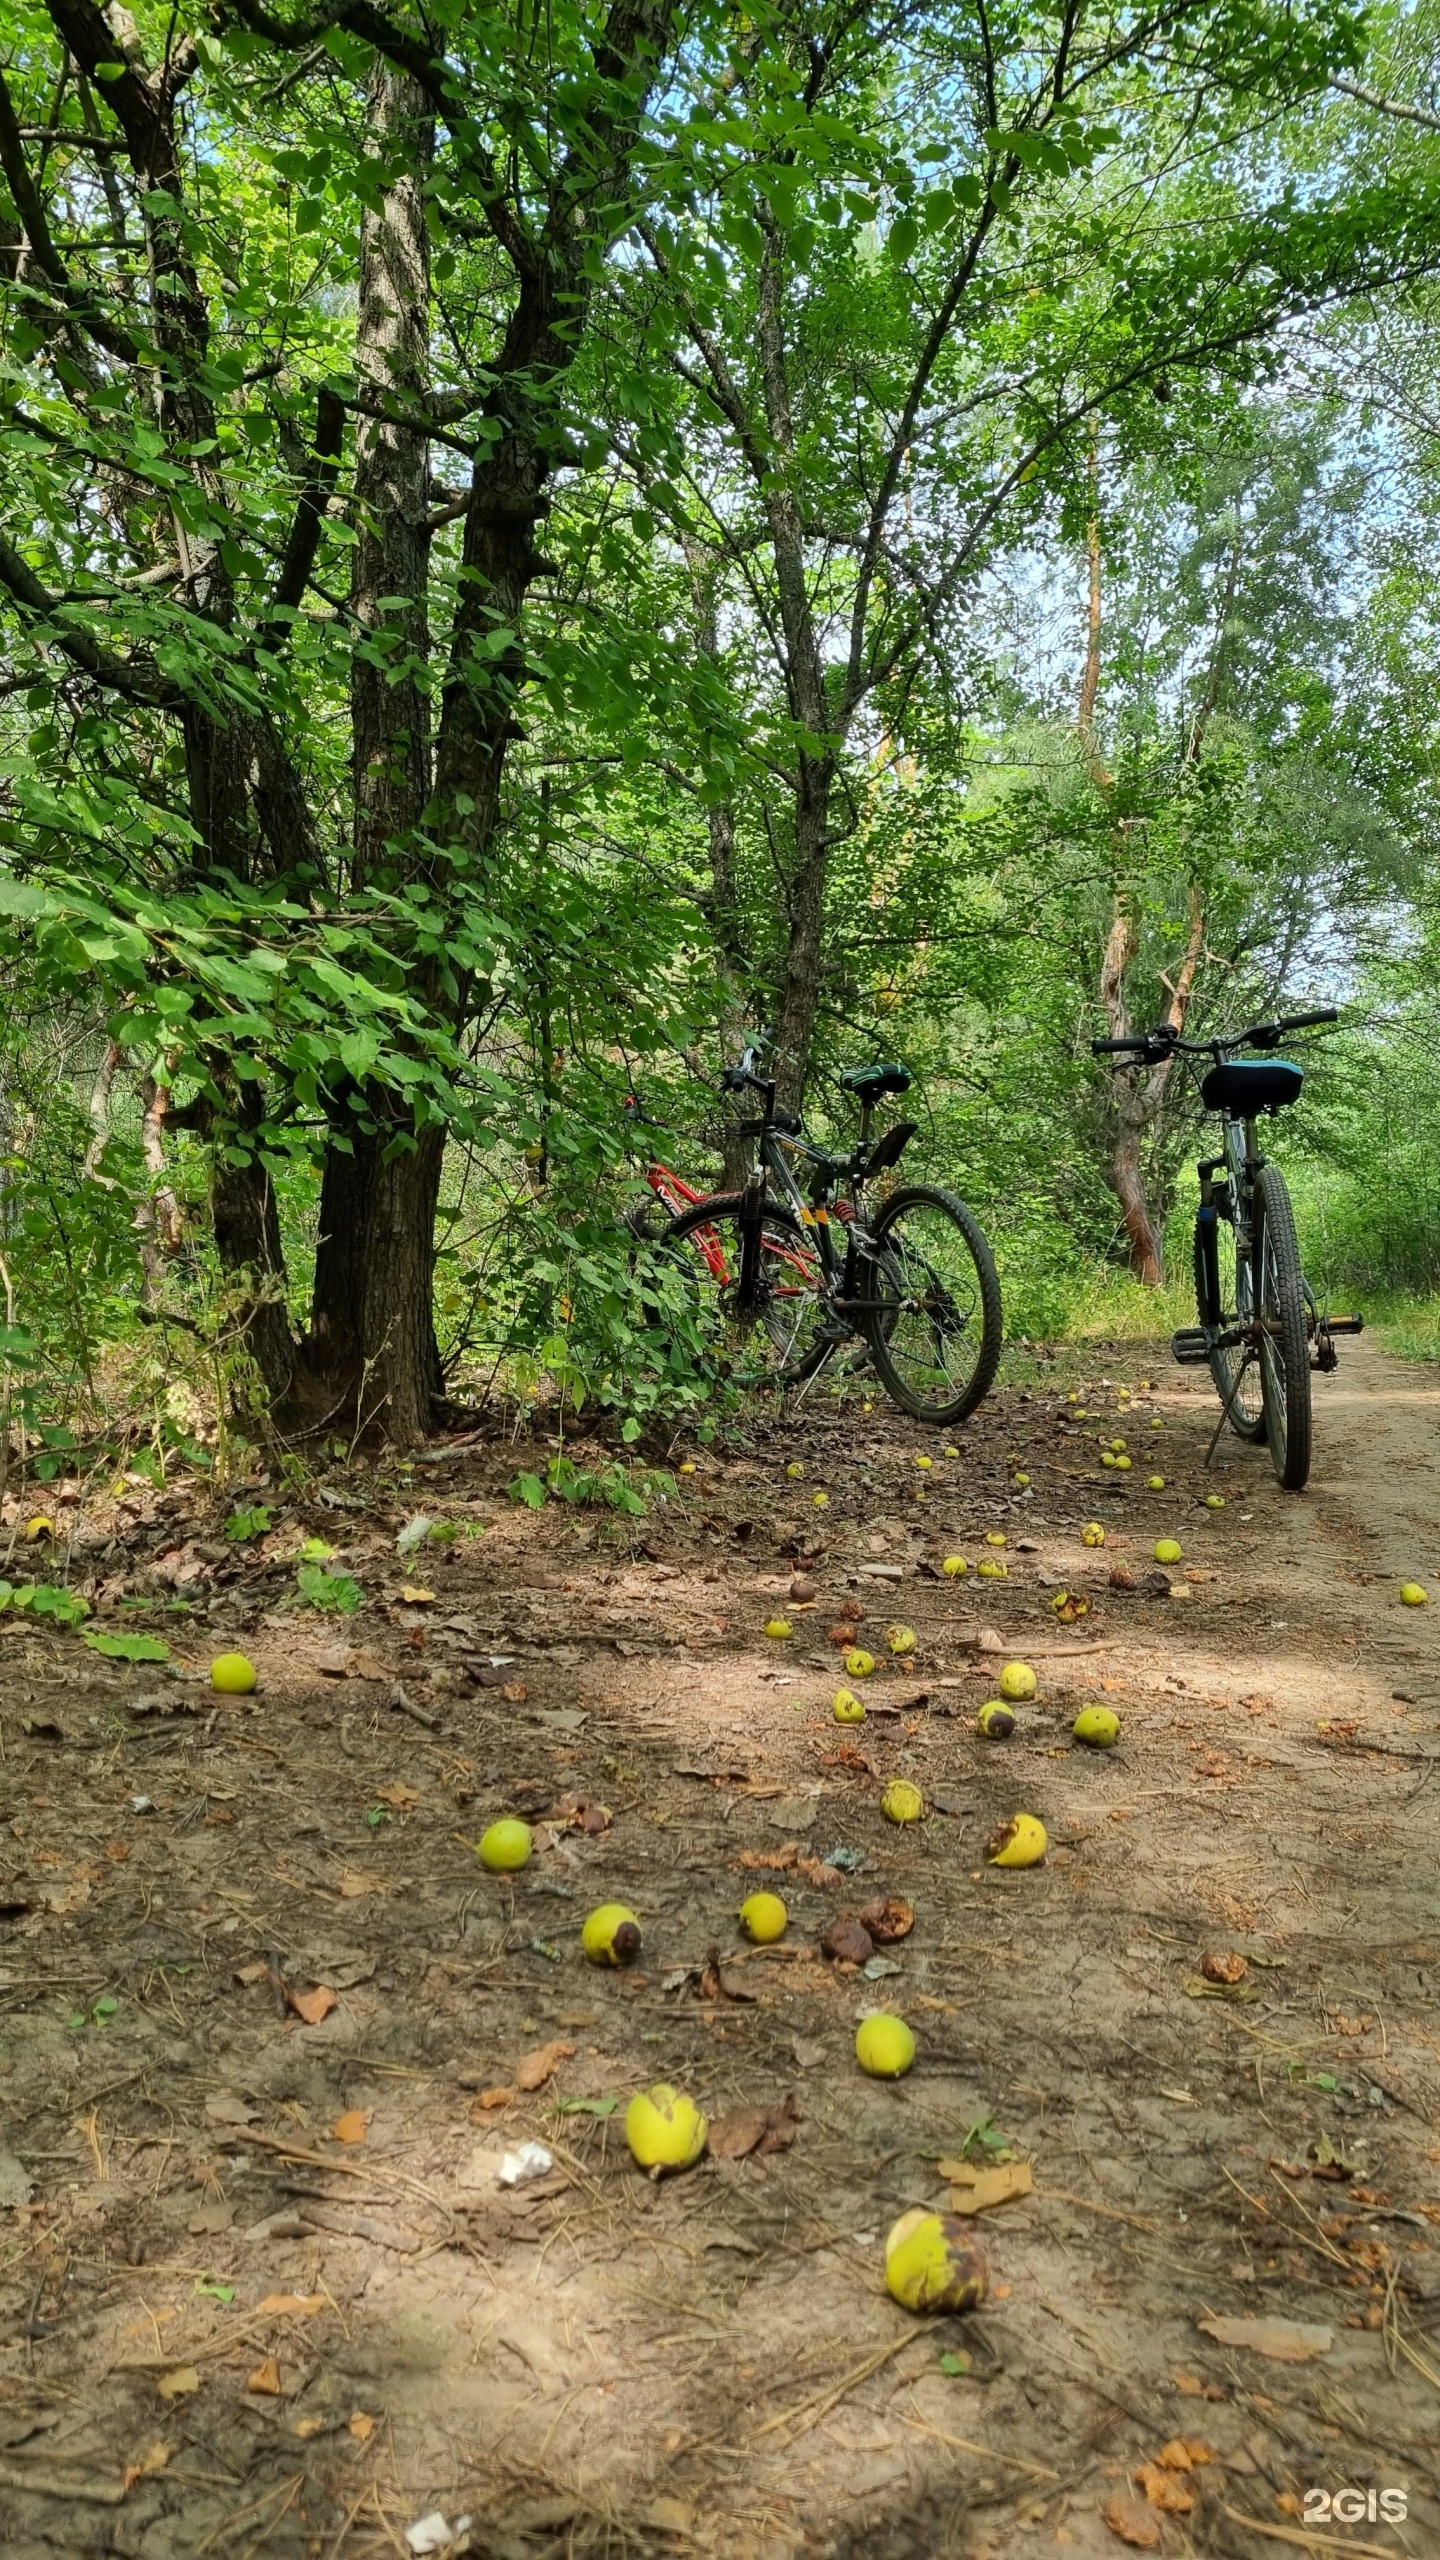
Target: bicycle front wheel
{"type": "Point", "coordinates": [933, 1323]}
{"type": "Point", "coordinates": [1235, 1370]}
{"type": "Point", "coordinates": [777, 1342]}
{"type": "Point", "coordinates": [1284, 1331]}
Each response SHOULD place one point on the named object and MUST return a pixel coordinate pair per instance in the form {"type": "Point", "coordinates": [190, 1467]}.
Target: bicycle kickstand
{"type": "Point", "coordinates": [1250, 1356]}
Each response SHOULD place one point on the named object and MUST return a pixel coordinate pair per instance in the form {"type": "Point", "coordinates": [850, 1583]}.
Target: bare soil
{"type": "Point", "coordinates": [224, 2329]}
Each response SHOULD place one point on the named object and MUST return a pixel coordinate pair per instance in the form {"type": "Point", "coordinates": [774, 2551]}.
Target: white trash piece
{"type": "Point", "coordinates": [531, 2160]}
{"type": "Point", "coordinates": [432, 2533]}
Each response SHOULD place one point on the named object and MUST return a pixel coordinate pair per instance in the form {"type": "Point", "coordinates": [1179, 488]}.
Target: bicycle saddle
{"type": "Point", "coordinates": [1246, 1085]}
{"type": "Point", "coordinates": [869, 1083]}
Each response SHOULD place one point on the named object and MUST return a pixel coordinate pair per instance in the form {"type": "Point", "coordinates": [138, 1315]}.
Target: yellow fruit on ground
{"type": "Point", "coordinates": [1167, 1550]}
{"type": "Point", "coordinates": [233, 1674]}
{"type": "Point", "coordinates": [951, 1451]}
{"type": "Point", "coordinates": [39, 1527]}
{"type": "Point", "coordinates": [1121, 1465]}
{"type": "Point", "coordinates": [505, 1846]}
{"type": "Point", "coordinates": [884, 2046]}
{"type": "Point", "coordinates": [1105, 1459]}
{"type": "Point", "coordinates": [902, 1801]}
{"type": "Point", "coordinates": [779, 1628]}
{"type": "Point", "coordinates": [1017, 1680]}
{"type": "Point", "coordinates": [954, 1564]}
{"type": "Point", "coordinates": [848, 1709]}
{"type": "Point", "coordinates": [996, 1721]}
{"type": "Point", "coordinates": [1119, 1447]}
{"type": "Point", "coordinates": [933, 2264]}
{"type": "Point", "coordinates": [1020, 1482]}
{"type": "Point", "coordinates": [1214, 1501]}
{"type": "Point", "coordinates": [686, 1467]}
{"type": "Point", "coordinates": [924, 1462]}
{"type": "Point", "coordinates": [763, 1917]}
{"type": "Point", "coordinates": [611, 1934]}
{"type": "Point", "coordinates": [820, 1500]}
{"type": "Point", "coordinates": [1156, 1483]}
{"type": "Point", "coordinates": [794, 1469]}
{"type": "Point", "coordinates": [859, 1663]}
{"type": "Point", "coordinates": [901, 1639]}
{"type": "Point", "coordinates": [1020, 1842]}
{"type": "Point", "coordinates": [664, 2128]}
{"type": "Point", "coordinates": [1156, 1422]}
{"type": "Point", "coordinates": [994, 1537]}
{"type": "Point", "coordinates": [1414, 1594]}
{"type": "Point", "coordinates": [1082, 1413]}
{"type": "Point", "coordinates": [1092, 1535]}
{"type": "Point", "coordinates": [993, 1572]}
{"type": "Point", "coordinates": [1097, 1726]}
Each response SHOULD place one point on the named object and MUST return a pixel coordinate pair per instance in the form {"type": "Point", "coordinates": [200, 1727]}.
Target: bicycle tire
{"type": "Point", "coordinates": [1285, 1331]}
{"type": "Point", "coordinates": [1247, 1410]}
{"type": "Point", "coordinates": [774, 1345]}
{"type": "Point", "coordinates": [957, 1302]}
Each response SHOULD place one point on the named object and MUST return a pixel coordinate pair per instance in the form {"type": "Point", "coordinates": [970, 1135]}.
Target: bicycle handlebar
{"type": "Point", "coordinates": [1165, 1042]}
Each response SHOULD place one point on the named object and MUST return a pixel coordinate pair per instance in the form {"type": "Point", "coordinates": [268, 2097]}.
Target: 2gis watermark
{"type": "Point", "coordinates": [1356, 2506]}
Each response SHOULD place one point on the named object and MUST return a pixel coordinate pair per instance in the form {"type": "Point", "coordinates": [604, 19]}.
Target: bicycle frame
{"type": "Point", "coordinates": [1243, 1162]}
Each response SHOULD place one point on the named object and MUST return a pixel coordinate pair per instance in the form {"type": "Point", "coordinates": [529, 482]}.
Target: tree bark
{"type": "Point", "coordinates": [246, 1220]}
{"type": "Point", "coordinates": [370, 1352]}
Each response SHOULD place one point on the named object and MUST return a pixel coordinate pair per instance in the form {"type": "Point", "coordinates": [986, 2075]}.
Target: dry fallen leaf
{"type": "Point", "coordinates": [175, 2384]}
{"type": "Point", "coordinates": [265, 2379]}
{"type": "Point", "coordinates": [156, 2457]}
{"type": "Point", "coordinates": [978, 2189]}
{"type": "Point", "coordinates": [757, 2129]}
{"type": "Point", "coordinates": [352, 2126]}
{"type": "Point", "coordinates": [225, 2108]}
{"type": "Point", "coordinates": [415, 1595]}
{"type": "Point", "coordinates": [355, 1885]}
{"type": "Point", "coordinates": [361, 2425]}
{"type": "Point", "coordinates": [541, 2065]}
{"type": "Point", "coordinates": [1185, 2453]}
{"type": "Point", "coordinates": [1133, 2523]}
{"type": "Point", "coordinates": [293, 2306]}
{"type": "Point", "coordinates": [1283, 2341]}
{"type": "Point", "coordinates": [1163, 2490]}
{"type": "Point", "coordinates": [515, 1693]}
{"type": "Point", "coordinates": [307, 2427]}
{"type": "Point", "coordinates": [398, 1795]}
{"type": "Point", "coordinates": [491, 2098]}
{"type": "Point", "coordinates": [311, 2006]}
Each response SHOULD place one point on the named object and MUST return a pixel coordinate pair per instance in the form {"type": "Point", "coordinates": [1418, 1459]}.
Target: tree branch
{"type": "Point", "coordinates": [132, 678]}
{"type": "Point", "coordinates": [304, 539]}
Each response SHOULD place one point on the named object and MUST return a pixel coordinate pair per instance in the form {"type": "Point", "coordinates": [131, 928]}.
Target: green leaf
{"type": "Point", "coordinates": [585, 2106]}
{"type": "Point", "coordinates": [339, 1592]}
{"type": "Point", "coordinates": [127, 1648]}
{"type": "Point", "coordinates": [527, 1489]}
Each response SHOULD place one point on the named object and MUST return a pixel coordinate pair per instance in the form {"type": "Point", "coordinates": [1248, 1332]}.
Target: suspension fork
{"type": "Point", "coordinates": [1207, 1229]}
{"type": "Point", "coordinates": [752, 1235]}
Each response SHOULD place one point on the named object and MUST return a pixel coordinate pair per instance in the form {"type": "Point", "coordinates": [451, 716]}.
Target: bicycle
{"type": "Point", "coordinates": [772, 1297]}
{"type": "Point", "coordinates": [1261, 1328]}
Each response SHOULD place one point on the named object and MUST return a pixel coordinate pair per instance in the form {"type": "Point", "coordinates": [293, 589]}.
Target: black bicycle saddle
{"type": "Point", "coordinates": [869, 1083]}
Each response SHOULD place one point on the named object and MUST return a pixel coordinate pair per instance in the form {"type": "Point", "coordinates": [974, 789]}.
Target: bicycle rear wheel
{"type": "Point", "coordinates": [1284, 1331]}
{"type": "Point", "coordinates": [934, 1325]}
{"type": "Point", "coordinates": [774, 1343]}
{"type": "Point", "coordinates": [1234, 1307]}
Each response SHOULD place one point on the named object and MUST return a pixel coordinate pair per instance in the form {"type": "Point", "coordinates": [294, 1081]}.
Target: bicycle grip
{"type": "Point", "coordinates": [1109, 1048]}
{"type": "Point", "coordinates": [1305, 1021]}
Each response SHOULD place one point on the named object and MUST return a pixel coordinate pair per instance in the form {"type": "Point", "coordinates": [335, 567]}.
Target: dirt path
{"type": "Point", "coordinates": [224, 2330]}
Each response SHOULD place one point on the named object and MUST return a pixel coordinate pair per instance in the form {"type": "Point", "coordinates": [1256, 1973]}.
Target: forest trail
{"type": "Point", "coordinates": [227, 2328]}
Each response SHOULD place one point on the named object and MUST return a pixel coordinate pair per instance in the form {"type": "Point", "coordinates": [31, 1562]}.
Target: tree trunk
{"type": "Point", "coordinates": [247, 1241]}
{"type": "Point", "coordinates": [370, 1352]}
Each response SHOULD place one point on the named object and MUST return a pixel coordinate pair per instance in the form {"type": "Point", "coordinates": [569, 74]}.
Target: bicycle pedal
{"type": "Point", "coordinates": [1344, 1324]}
{"type": "Point", "coordinates": [1189, 1347]}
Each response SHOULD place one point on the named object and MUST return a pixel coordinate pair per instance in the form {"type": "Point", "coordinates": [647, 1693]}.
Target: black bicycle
{"type": "Point", "coordinates": [776, 1282]}
{"type": "Point", "coordinates": [1261, 1329]}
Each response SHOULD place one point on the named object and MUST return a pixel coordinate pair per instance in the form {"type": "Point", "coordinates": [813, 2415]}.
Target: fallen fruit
{"type": "Point", "coordinates": [994, 1537]}
{"type": "Point", "coordinates": [902, 1801]}
{"type": "Point", "coordinates": [779, 1628]}
{"type": "Point", "coordinates": [901, 1639]}
{"type": "Point", "coordinates": [1020, 1482]}
{"type": "Point", "coordinates": [954, 1564]}
{"type": "Point", "coordinates": [1167, 1551]}
{"type": "Point", "coordinates": [1097, 1726]}
{"type": "Point", "coordinates": [924, 1462]}
{"type": "Point", "coordinates": [1020, 1842]}
{"type": "Point", "coordinates": [1017, 1680]}
{"type": "Point", "coordinates": [1092, 1535]}
{"type": "Point", "coordinates": [1156, 1423]}
{"type": "Point", "coordinates": [932, 2264]}
{"type": "Point", "coordinates": [1214, 1501]}
{"type": "Point", "coordinates": [993, 1570]}
{"type": "Point", "coordinates": [664, 2128]}
{"type": "Point", "coordinates": [794, 1469]}
{"type": "Point", "coordinates": [859, 1663]}
{"type": "Point", "coordinates": [39, 1527]}
{"type": "Point", "coordinates": [884, 2046]}
{"type": "Point", "coordinates": [848, 1709]}
{"type": "Point", "coordinates": [887, 1921]}
{"type": "Point", "coordinates": [506, 1845]}
{"type": "Point", "coordinates": [847, 1942]}
{"type": "Point", "coordinates": [1119, 1447]}
{"type": "Point", "coordinates": [995, 1720]}
{"type": "Point", "coordinates": [1224, 1968]}
{"type": "Point", "coordinates": [1106, 1459]}
{"type": "Point", "coordinates": [1121, 1464]}
{"type": "Point", "coordinates": [611, 1935]}
{"type": "Point", "coordinates": [233, 1674]}
{"type": "Point", "coordinates": [763, 1917]}
{"type": "Point", "coordinates": [1156, 1484]}
{"type": "Point", "coordinates": [820, 1500]}
{"type": "Point", "coordinates": [1414, 1594]}
{"type": "Point", "coordinates": [1121, 1578]}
